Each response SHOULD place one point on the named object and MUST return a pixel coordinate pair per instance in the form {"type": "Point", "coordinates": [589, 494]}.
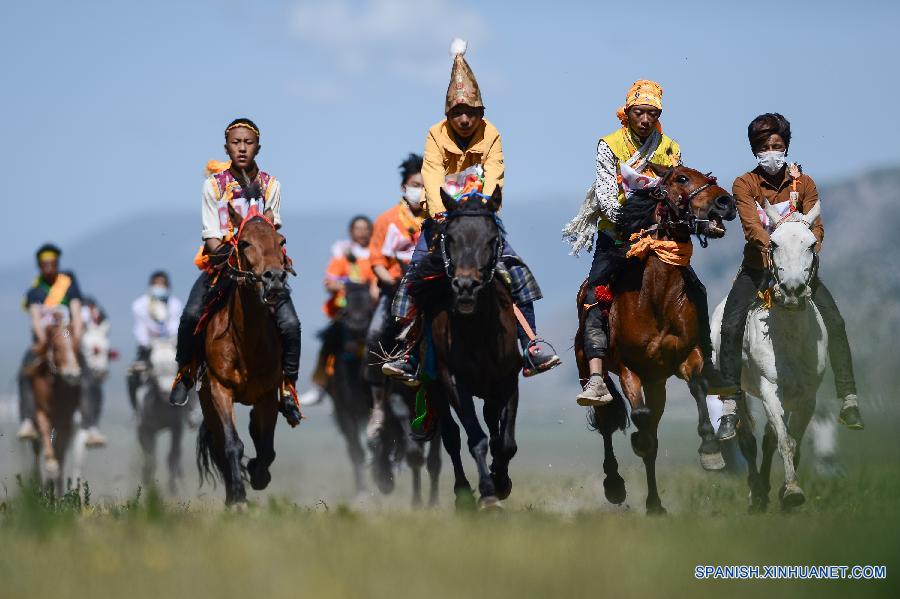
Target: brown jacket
{"type": "Point", "coordinates": [750, 190]}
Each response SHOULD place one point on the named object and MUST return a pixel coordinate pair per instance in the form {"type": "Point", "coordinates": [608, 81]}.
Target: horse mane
{"type": "Point", "coordinates": [637, 213]}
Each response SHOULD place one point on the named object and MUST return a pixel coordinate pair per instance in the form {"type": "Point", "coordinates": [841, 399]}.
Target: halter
{"type": "Point", "coordinates": [684, 213]}
{"type": "Point", "coordinates": [233, 265]}
{"type": "Point", "coordinates": [498, 248]}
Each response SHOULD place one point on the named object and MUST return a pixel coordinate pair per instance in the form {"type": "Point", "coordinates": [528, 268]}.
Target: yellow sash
{"type": "Point", "coordinates": [58, 291]}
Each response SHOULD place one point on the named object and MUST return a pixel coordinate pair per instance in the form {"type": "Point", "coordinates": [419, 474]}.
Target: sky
{"type": "Point", "coordinates": [111, 109]}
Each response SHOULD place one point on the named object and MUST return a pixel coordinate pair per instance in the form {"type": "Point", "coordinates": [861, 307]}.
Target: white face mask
{"type": "Point", "coordinates": [412, 195]}
{"type": "Point", "coordinates": [158, 292]}
{"type": "Point", "coordinates": [771, 162]}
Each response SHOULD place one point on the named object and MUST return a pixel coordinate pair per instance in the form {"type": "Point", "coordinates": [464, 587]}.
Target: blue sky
{"type": "Point", "coordinates": [111, 109]}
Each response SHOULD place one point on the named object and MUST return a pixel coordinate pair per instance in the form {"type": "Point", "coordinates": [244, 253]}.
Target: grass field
{"type": "Point", "coordinates": [149, 548]}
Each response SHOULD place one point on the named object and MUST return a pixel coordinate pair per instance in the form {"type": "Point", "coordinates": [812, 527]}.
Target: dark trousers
{"type": "Point", "coordinates": [285, 319]}
{"type": "Point", "coordinates": [734, 320]}
{"type": "Point", "coordinates": [26, 392]}
{"type": "Point", "coordinates": [603, 267]}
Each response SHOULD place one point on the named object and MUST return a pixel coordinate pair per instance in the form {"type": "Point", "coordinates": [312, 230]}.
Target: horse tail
{"type": "Point", "coordinates": [207, 466]}
{"type": "Point", "coordinates": [613, 416]}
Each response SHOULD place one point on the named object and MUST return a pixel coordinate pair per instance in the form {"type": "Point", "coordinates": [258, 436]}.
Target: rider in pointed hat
{"type": "Point", "coordinates": [463, 153]}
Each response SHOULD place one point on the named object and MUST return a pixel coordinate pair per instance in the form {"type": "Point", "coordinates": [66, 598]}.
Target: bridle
{"type": "Point", "coordinates": [773, 271]}
{"type": "Point", "coordinates": [681, 208]}
{"type": "Point", "coordinates": [487, 272]}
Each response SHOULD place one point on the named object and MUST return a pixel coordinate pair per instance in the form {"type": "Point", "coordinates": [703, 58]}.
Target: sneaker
{"type": "Point", "coordinates": [727, 427]}
{"type": "Point", "coordinates": [181, 388]}
{"type": "Point", "coordinates": [288, 406]}
{"type": "Point", "coordinates": [401, 369]}
{"type": "Point", "coordinates": [95, 438]}
{"type": "Point", "coordinates": [312, 397]}
{"type": "Point", "coordinates": [537, 360]}
{"type": "Point", "coordinates": [27, 432]}
{"type": "Point", "coordinates": [595, 392]}
{"type": "Point", "coordinates": [850, 416]}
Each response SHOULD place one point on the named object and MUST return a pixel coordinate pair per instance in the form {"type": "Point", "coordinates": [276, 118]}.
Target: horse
{"type": "Point", "coordinates": [396, 442]}
{"type": "Point", "coordinates": [653, 322]}
{"type": "Point", "coordinates": [243, 358]}
{"type": "Point", "coordinates": [471, 328]}
{"type": "Point", "coordinates": [344, 343]}
{"type": "Point", "coordinates": [96, 354]}
{"type": "Point", "coordinates": [784, 357]}
{"type": "Point", "coordinates": [56, 381]}
{"type": "Point", "coordinates": [155, 414]}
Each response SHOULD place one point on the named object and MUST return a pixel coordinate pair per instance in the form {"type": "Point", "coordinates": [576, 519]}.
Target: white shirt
{"type": "Point", "coordinates": [162, 321]}
{"type": "Point", "coordinates": [211, 226]}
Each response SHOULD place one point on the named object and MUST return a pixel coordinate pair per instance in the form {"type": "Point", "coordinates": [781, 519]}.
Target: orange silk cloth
{"type": "Point", "coordinates": [677, 253]}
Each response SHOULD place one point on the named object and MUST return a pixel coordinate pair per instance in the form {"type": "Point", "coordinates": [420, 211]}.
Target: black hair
{"type": "Point", "coordinates": [359, 217]}
{"type": "Point", "coordinates": [162, 275]}
{"type": "Point", "coordinates": [242, 121]}
{"type": "Point", "coordinates": [48, 247]}
{"type": "Point", "coordinates": [409, 167]}
{"type": "Point", "coordinates": [766, 125]}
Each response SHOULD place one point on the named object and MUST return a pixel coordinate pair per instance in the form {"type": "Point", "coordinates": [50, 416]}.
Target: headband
{"type": "Point", "coordinates": [247, 125]}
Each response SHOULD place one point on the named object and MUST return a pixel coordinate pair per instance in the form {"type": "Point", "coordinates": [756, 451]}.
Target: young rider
{"type": "Point", "coordinates": [230, 183]}
{"type": "Point", "coordinates": [466, 147]}
{"type": "Point", "coordinates": [777, 181]}
{"type": "Point", "coordinates": [625, 158]}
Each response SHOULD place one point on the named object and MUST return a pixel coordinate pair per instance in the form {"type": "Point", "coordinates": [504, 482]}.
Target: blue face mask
{"type": "Point", "coordinates": [159, 292]}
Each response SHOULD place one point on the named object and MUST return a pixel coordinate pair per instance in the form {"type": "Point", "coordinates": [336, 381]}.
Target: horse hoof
{"type": "Point", "coordinates": [758, 507]}
{"type": "Point", "coordinates": [712, 461]}
{"type": "Point", "coordinates": [614, 489]}
{"type": "Point", "coordinates": [641, 418]}
{"type": "Point", "coordinates": [238, 507]}
{"type": "Point", "coordinates": [384, 479]}
{"type": "Point", "coordinates": [259, 477]}
{"type": "Point", "coordinates": [490, 504]}
{"type": "Point", "coordinates": [465, 499]}
{"type": "Point", "coordinates": [641, 444]}
{"type": "Point", "coordinates": [415, 457]}
{"type": "Point", "coordinates": [792, 496]}
{"type": "Point", "coordinates": [503, 485]}
{"type": "Point", "coordinates": [51, 466]}
{"type": "Point", "coordinates": [656, 510]}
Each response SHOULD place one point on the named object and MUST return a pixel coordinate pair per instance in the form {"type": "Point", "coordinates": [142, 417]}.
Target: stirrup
{"type": "Point", "coordinates": [530, 368]}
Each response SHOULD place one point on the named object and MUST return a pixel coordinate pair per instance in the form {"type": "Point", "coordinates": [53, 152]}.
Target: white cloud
{"type": "Point", "coordinates": [408, 38]}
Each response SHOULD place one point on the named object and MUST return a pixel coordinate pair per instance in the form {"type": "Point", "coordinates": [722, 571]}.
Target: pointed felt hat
{"type": "Point", "coordinates": [463, 88]}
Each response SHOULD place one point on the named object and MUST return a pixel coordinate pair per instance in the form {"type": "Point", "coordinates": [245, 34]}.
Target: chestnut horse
{"type": "Point", "coordinates": [56, 381]}
{"type": "Point", "coordinates": [470, 319]}
{"type": "Point", "coordinates": [243, 359]}
{"type": "Point", "coordinates": [653, 322]}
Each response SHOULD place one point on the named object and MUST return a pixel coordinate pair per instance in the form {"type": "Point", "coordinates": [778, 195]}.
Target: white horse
{"type": "Point", "coordinates": [95, 351]}
{"type": "Point", "coordinates": [784, 356]}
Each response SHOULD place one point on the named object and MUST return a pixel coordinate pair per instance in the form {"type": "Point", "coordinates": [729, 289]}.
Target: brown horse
{"type": "Point", "coordinates": [56, 380]}
{"type": "Point", "coordinates": [243, 360]}
{"type": "Point", "coordinates": [653, 322]}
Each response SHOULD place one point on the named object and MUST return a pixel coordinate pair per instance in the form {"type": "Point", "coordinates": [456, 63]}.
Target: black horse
{"type": "Point", "coordinates": [344, 343]}
{"type": "Point", "coordinates": [470, 327]}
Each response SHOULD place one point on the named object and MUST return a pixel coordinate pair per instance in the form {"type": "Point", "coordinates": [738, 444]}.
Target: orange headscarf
{"type": "Point", "coordinates": [645, 92]}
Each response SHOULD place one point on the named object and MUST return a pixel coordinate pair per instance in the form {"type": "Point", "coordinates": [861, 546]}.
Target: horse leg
{"type": "Point", "coordinates": [478, 447]}
{"type": "Point", "coordinates": [642, 440]}
{"type": "Point", "coordinates": [613, 483]}
{"type": "Point", "coordinates": [710, 452]}
{"type": "Point", "coordinates": [173, 460]}
{"type": "Point", "coordinates": [225, 436]}
{"type": "Point", "coordinates": [450, 438]}
{"type": "Point", "coordinates": [656, 398]}
{"type": "Point", "coordinates": [759, 496]}
{"type": "Point", "coordinates": [263, 418]}
{"type": "Point", "coordinates": [147, 440]}
{"type": "Point", "coordinates": [507, 447]}
{"type": "Point", "coordinates": [349, 427]}
{"type": "Point", "coordinates": [61, 440]}
{"type": "Point", "coordinates": [433, 465]}
{"type": "Point", "coordinates": [791, 495]}
{"type": "Point", "coordinates": [769, 445]}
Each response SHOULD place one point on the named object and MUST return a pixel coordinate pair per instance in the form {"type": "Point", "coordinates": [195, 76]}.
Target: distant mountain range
{"type": "Point", "coordinates": [858, 264]}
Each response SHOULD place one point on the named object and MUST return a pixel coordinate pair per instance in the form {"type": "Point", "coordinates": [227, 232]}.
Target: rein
{"type": "Point", "coordinates": [233, 265]}
{"type": "Point", "coordinates": [682, 210]}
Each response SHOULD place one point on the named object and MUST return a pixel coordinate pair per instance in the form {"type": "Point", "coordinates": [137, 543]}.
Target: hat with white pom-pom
{"type": "Point", "coordinates": [463, 88]}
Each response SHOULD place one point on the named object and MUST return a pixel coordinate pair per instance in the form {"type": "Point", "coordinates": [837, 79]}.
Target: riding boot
{"type": "Point", "coordinates": [289, 330]}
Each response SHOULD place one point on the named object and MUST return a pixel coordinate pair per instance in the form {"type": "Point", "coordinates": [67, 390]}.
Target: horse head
{"type": "Point", "coordinates": [61, 353]}
{"type": "Point", "coordinates": [357, 311]}
{"type": "Point", "coordinates": [470, 243]}
{"type": "Point", "coordinates": [792, 256]}
{"type": "Point", "coordinates": [95, 349]}
{"type": "Point", "coordinates": [709, 204]}
{"type": "Point", "coordinates": [260, 255]}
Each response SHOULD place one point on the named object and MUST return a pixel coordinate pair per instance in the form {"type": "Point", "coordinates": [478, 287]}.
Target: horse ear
{"type": "Point", "coordinates": [496, 200]}
{"type": "Point", "coordinates": [235, 216]}
{"type": "Point", "coordinates": [810, 217]}
{"type": "Point", "coordinates": [660, 170]}
{"type": "Point", "coordinates": [449, 203]}
{"type": "Point", "coordinates": [772, 213]}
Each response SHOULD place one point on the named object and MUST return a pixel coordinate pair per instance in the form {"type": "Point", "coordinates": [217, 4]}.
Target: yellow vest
{"type": "Point", "coordinates": [620, 142]}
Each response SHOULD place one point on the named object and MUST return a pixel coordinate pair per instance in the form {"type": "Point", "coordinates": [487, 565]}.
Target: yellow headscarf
{"type": "Point", "coordinates": [644, 92]}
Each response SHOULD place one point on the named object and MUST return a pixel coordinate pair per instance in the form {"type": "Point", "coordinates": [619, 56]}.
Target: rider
{"type": "Point", "coordinates": [776, 181]}
{"type": "Point", "coordinates": [227, 183]}
{"type": "Point", "coordinates": [51, 291]}
{"type": "Point", "coordinates": [464, 147]}
{"type": "Point", "coordinates": [156, 316]}
{"type": "Point", "coordinates": [393, 240]}
{"type": "Point", "coordinates": [625, 160]}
